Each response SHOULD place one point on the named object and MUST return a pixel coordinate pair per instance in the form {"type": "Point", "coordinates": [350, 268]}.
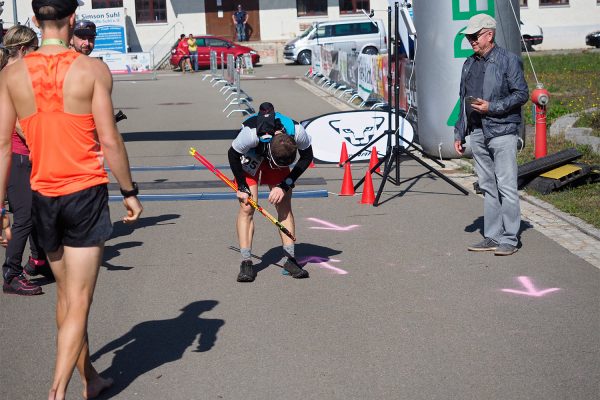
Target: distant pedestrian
{"type": "Point", "coordinates": [491, 115]}
{"type": "Point", "coordinates": [84, 37]}
{"type": "Point", "coordinates": [240, 19]}
{"type": "Point", "coordinates": [183, 49]}
{"type": "Point", "coordinates": [193, 48]}
{"type": "Point", "coordinates": [63, 102]}
{"type": "Point", "coordinates": [19, 41]}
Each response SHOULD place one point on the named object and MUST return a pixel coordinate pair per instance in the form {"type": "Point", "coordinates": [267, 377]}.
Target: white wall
{"type": "Point", "coordinates": [565, 26]}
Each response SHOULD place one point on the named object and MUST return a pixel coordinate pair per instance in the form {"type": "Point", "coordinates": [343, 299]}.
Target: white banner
{"type": "Point", "coordinates": [129, 63]}
{"type": "Point", "coordinates": [365, 76]}
{"type": "Point", "coordinates": [356, 129]}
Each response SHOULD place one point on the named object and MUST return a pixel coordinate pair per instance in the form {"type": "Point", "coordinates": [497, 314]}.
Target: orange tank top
{"type": "Point", "coordinates": [65, 152]}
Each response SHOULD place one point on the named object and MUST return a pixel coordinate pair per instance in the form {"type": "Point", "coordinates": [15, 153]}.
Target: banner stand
{"type": "Point", "coordinates": [393, 152]}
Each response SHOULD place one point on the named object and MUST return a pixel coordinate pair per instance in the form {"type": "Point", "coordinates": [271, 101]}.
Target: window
{"type": "Point", "coordinates": [366, 27]}
{"type": "Point", "coordinates": [107, 3]}
{"type": "Point", "coordinates": [325, 31]}
{"type": "Point", "coordinates": [523, 3]}
{"type": "Point", "coordinates": [343, 30]}
{"type": "Point", "coordinates": [354, 6]}
{"type": "Point", "coordinates": [554, 2]}
{"type": "Point", "coordinates": [216, 42]}
{"type": "Point", "coordinates": [200, 42]}
{"type": "Point", "coordinates": [149, 11]}
{"type": "Point", "coordinates": [311, 7]}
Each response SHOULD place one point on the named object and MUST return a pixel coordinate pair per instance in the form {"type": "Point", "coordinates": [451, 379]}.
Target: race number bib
{"type": "Point", "coordinates": [251, 163]}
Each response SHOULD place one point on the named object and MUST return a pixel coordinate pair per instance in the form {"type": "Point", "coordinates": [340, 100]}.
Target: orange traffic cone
{"type": "Point", "coordinates": [347, 185]}
{"type": "Point", "coordinates": [368, 196]}
{"type": "Point", "coordinates": [374, 160]}
{"type": "Point", "coordinates": [343, 154]}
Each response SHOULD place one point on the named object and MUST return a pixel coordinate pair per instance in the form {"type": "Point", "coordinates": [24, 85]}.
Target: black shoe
{"type": "Point", "coordinates": [33, 268]}
{"type": "Point", "coordinates": [291, 266]}
{"type": "Point", "coordinates": [21, 285]}
{"type": "Point", "coordinates": [246, 272]}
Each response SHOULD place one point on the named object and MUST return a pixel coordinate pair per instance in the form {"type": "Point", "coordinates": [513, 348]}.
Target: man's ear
{"type": "Point", "coordinates": [35, 21]}
{"type": "Point", "coordinates": [72, 22]}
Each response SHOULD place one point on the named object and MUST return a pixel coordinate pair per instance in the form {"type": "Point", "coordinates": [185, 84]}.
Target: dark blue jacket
{"type": "Point", "coordinates": [504, 87]}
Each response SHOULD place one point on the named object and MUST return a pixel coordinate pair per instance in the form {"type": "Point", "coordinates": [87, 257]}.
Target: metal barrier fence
{"type": "Point", "coordinates": [350, 76]}
{"type": "Point", "coordinates": [229, 75]}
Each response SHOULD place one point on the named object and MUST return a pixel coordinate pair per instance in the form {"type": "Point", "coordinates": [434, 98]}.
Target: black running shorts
{"type": "Point", "coordinates": [79, 219]}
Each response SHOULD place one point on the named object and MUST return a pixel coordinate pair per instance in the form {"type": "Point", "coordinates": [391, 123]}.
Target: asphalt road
{"type": "Point", "coordinates": [395, 307]}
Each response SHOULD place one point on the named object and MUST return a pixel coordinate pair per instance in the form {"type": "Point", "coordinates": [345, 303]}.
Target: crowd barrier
{"type": "Point", "coordinates": [350, 76]}
{"type": "Point", "coordinates": [228, 74]}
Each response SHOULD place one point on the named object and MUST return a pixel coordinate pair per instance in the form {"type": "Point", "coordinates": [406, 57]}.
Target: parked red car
{"type": "Point", "coordinates": [207, 43]}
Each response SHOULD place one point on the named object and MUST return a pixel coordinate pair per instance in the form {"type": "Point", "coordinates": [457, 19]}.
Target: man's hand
{"type": "Point", "coordinates": [6, 232]}
{"type": "Point", "coordinates": [276, 195]}
{"type": "Point", "coordinates": [134, 209]}
{"type": "Point", "coordinates": [481, 106]}
{"type": "Point", "coordinates": [242, 196]}
{"type": "Point", "coordinates": [459, 147]}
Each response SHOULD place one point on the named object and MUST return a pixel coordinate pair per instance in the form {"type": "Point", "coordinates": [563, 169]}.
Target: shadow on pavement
{"type": "Point", "coordinates": [302, 251]}
{"type": "Point", "coordinates": [151, 344]}
{"type": "Point", "coordinates": [175, 136]}
{"type": "Point", "coordinates": [477, 226]}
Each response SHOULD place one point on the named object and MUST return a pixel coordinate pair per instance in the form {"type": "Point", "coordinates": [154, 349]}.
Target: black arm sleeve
{"type": "Point", "coordinates": [306, 157]}
{"type": "Point", "coordinates": [235, 163]}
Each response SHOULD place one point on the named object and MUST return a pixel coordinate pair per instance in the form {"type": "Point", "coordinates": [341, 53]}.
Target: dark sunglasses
{"type": "Point", "coordinates": [475, 36]}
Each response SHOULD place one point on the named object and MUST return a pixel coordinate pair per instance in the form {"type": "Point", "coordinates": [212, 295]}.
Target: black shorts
{"type": "Point", "coordinates": [79, 219]}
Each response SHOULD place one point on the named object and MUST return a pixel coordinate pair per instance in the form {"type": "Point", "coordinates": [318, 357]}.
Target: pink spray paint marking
{"type": "Point", "coordinates": [531, 290]}
{"type": "Point", "coordinates": [331, 227]}
{"type": "Point", "coordinates": [323, 262]}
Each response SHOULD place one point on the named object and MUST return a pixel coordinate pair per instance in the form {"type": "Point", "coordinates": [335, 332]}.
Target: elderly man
{"type": "Point", "coordinates": [492, 91]}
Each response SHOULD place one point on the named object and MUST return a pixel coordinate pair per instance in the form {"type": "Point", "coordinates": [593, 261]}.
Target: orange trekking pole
{"type": "Point", "coordinates": [234, 187]}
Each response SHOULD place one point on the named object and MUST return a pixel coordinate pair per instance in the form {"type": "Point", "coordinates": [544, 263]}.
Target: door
{"type": "Point", "coordinates": [219, 22]}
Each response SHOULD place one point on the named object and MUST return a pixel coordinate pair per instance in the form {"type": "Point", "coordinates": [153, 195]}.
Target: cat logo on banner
{"type": "Point", "coordinates": [357, 129]}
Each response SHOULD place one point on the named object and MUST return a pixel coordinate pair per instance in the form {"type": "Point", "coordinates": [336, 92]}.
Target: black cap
{"type": "Point", "coordinates": [62, 8]}
{"type": "Point", "coordinates": [84, 28]}
{"type": "Point", "coordinates": [265, 120]}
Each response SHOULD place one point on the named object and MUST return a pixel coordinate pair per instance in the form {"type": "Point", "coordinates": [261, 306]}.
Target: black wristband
{"type": "Point", "coordinates": [132, 192]}
{"type": "Point", "coordinates": [287, 184]}
{"type": "Point", "coordinates": [244, 189]}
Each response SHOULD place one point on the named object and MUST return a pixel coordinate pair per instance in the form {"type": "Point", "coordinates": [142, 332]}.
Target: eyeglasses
{"type": "Point", "coordinates": [475, 36]}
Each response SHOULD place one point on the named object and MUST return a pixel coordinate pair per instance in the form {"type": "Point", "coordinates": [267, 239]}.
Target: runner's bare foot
{"type": "Point", "coordinates": [96, 386]}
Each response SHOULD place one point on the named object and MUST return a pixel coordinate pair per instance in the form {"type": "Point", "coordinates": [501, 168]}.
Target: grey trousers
{"type": "Point", "coordinates": [496, 167]}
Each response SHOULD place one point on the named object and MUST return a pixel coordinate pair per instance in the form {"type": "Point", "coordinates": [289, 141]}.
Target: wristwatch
{"type": "Point", "coordinates": [287, 184]}
{"type": "Point", "coordinates": [132, 192]}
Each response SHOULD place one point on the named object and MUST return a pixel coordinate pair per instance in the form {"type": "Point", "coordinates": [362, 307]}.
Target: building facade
{"type": "Point", "coordinates": [565, 22]}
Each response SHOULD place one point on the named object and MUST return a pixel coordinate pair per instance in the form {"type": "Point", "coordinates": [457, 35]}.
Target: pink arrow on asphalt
{"type": "Point", "coordinates": [531, 290]}
{"type": "Point", "coordinates": [330, 226]}
{"type": "Point", "coordinates": [323, 262]}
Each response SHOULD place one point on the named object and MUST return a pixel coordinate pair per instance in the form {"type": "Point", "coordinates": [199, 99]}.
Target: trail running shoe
{"type": "Point", "coordinates": [38, 267]}
{"type": "Point", "coordinates": [291, 266]}
{"type": "Point", "coordinates": [20, 285]}
{"type": "Point", "coordinates": [246, 272]}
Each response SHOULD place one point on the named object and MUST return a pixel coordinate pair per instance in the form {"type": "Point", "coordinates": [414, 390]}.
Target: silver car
{"type": "Point", "coordinates": [361, 35]}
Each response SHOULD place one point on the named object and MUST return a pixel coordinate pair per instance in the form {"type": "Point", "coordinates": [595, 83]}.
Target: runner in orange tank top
{"type": "Point", "coordinates": [63, 101]}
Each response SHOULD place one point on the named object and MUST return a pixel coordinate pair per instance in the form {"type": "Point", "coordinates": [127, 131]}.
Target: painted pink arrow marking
{"type": "Point", "coordinates": [323, 263]}
{"type": "Point", "coordinates": [531, 290]}
{"type": "Point", "coordinates": [330, 226]}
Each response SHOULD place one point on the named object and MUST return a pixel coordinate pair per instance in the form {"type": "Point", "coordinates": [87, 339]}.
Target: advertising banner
{"type": "Point", "coordinates": [326, 62]}
{"type": "Point", "coordinates": [110, 29]}
{"type": "Point", "coordinates": [356, 129]}
{"type": "Point", "coordinates": [316, 59]}
{"type": "Point", "coordinates": [365, 76]}
{"type": "Point", "coordinates": [129, 63]}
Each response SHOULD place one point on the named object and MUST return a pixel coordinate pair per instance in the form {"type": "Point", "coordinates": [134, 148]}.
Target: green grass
{"type": "Point", "coordinates": [574, 85]}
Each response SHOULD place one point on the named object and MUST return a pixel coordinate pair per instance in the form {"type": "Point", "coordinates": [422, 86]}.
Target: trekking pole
{"type": "Point", "coordinates": [234, 187]}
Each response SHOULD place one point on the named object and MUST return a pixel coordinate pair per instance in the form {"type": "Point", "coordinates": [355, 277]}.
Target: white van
{"type": "Point", "coordinates": [363, 35]}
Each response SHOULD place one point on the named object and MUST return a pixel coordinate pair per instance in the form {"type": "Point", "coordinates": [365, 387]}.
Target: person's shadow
{"type": "Point", "coordinates": [303, 252]}
{"type": "Point", "coordinates": [477, 226]}
{"type": "Point", "coordinates": [151, 344]}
